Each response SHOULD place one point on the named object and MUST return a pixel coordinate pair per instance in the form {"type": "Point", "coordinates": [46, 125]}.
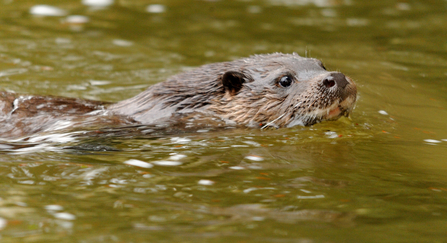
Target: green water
{"type": "Point", "coordinates": [379, 177]}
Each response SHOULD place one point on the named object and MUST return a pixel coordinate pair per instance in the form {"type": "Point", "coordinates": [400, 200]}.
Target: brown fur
{"type": "Point", "coordinates": [246, 91]}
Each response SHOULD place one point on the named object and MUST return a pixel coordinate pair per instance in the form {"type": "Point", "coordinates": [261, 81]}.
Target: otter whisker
{"type": "Point", "coordinates": [299, 103]}
{"type": "Point", "coordinates": [281, 116]}
{"type": "Point", "coordinates": [272, 122]}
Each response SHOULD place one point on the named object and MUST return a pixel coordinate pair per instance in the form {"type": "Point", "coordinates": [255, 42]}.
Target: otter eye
{"type": "Point", "coordinates": [285, 81]}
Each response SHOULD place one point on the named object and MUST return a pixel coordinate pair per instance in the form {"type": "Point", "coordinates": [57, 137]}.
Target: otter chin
{"type": "Point", "coordinates": [270, 90]}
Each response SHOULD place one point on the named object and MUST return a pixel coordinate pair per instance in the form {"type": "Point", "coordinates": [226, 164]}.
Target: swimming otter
{"type": "Point", "coordinates": [280, 90]}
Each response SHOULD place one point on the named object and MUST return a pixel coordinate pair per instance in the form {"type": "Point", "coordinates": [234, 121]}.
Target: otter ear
{"type": "Point", "coordinates": [232, 82]}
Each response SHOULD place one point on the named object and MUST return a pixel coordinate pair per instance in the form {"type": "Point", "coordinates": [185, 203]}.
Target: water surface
{"type": "Point", "coordinates": [377, 177]}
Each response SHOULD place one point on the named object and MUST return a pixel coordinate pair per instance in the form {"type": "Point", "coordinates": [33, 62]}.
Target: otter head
{"type": "Point", "coordinates": [280, 90]}
{"type": "Point", "coordinates": [284, 90]}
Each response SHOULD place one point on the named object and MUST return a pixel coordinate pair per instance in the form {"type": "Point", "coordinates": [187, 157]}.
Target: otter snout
{"type": "Point", "coordinates": [340, 85]}
{"type": "Point", "coordinates": [333, 79]}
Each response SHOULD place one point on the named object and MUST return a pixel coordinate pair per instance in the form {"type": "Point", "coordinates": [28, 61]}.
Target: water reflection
{"type": "Point", "coordinates": [77, 22]}
{"type": "Point", "coordinates": [156, 8]}
{"type": "Point", "coordinates": [318, 3]}
{"type": "Point", "coordinates": [98, 3]}
{"type": "Point", "coordinates": [258, 212]}
{"type": "Point", "coordinates": [47, 10]}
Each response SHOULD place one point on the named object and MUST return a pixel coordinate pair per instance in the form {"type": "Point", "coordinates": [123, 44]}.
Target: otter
{"type": "Point", "coordinates": [269, 90]}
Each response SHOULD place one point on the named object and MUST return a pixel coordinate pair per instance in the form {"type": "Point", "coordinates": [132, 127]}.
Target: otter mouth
{"type": "Point", "coordinates": [330, 113]}
{"type": "Point", "coordinates": [337, 112]}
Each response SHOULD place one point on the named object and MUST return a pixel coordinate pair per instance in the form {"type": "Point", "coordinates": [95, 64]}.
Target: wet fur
{"type": "Point", "coordinates": [244, 92]}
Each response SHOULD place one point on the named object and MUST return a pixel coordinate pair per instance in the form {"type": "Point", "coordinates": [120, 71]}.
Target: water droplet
{"type": "Point", "coordinates": [237, 168]}
{"type": "Point", "coordinates": [3, 223]}
{"type": "Point", "coordinates": [77, 19]}
{"type": "Point", "coordinates": [138, 163]}
{"type": "Point", "coordinates": [254, 158]}
{"type": "Point", "coordinates": [331, 134]}
{"type": "Point", "coordinates": [156, 8]}
{"type": "Point", "coordinates": [54, 207]}
{"type": "Point", "coordinates": [310, 197]}
{"type": "Point", "coordinates": [47, 10]}
{"type": "Point", "coordinates": [123, 43]}
{"type": "Point", "coordinates": [99, 82]}
{"type": "Point", "coordinates": [177, 156]}
{"type": "Point", "coordinates": [206, 182]}
{"type": "Point", "coordinates": [180, 140]}
{"type": "Point", "coordinates": [65, 216]}
{"type": "Point", "coordinates": [167, 163]}
{"type": "Point", "coordinates": [97, 3]}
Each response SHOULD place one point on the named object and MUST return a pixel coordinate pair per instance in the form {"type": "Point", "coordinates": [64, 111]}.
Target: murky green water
{"type": "Point", "coordinates": [379, 177]}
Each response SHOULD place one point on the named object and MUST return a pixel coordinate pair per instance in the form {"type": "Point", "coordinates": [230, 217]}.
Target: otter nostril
{"type": "Point", "coordinates": [328, 82]}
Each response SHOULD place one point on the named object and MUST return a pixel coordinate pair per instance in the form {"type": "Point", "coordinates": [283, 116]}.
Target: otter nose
{"type": "Point", "coordinates": [333, 79]}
